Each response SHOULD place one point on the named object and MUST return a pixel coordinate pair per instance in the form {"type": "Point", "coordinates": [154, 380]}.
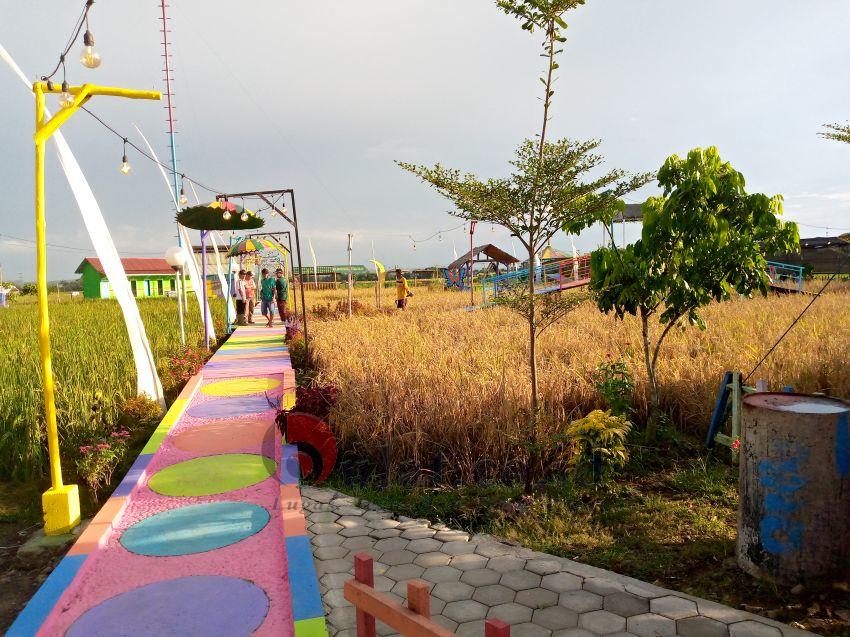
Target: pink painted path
{"type": "Point", "coordinates": [206, 535]}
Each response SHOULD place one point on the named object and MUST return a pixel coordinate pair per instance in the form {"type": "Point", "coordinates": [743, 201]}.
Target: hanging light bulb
{"type": "Point", "coordinates": [414, 245]}
{"type": "Point", "coordinates": [65, 98]}
{"type": "Point", "coordinates": [439, 237]}
{"type": "Point", "coordinates": [125, 168]}
{"type": "Point", "coordinates": [88, 56]}
{"type": "Point", "coordinates": [183, 198]}
{"type": "Point", "coordinates": [244, 216]}
{"type": "Point", "coordinates": [226, 215]}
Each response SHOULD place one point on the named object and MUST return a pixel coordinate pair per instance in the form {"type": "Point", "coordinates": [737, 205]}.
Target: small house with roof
{"type": "Point", "coordinates": [148, 278]}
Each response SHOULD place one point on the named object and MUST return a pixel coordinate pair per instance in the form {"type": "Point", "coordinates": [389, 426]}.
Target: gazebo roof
{"type": "Point", "coordinates": [490, 251]}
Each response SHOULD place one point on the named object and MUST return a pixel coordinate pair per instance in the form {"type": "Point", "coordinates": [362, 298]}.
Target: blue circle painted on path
{"type": "Point", "coordinates": [197, 605]}
{"type": "Point", "coordinates": [231, 407]}
{"type": "Point", "coordinates": [195, 529]}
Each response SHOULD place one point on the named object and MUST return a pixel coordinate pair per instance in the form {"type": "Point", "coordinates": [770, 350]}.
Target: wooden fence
{"type": "Point", "coordinates": [414, 620]}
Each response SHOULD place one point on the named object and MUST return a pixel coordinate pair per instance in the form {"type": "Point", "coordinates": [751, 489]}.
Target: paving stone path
{"type": "Point", "coordinates": [476, 578]}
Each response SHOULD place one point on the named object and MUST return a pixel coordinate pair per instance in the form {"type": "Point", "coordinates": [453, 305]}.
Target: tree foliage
{"type": "Point", "coordinates": [837, 132]}
{"type": "Point", "coordinates": [702, 240]}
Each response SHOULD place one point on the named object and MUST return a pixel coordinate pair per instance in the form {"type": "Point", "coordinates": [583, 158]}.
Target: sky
{"type": "Point", "coordinates": [323, 96]}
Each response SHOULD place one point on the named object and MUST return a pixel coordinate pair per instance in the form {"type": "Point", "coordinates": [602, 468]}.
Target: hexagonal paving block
{"type": "Point", "coordinates": [445, 622]}
{"type": "Point", "coordinates": [701, 627]}
{"type": "Point", "coordinates": [720, 612]}
{"type": "Point", "coordinates": [356, 543]}
{"type": "Point", "coordinates": [418, 533]}
{"type": "Point", "coordinates": [439, 574]}
{"type": "Point", "coordinates": [391, 544]}
{"type": "Point", "coordinates": [349, 510]}
{"type": "Point", "coordinates": [537, 598]}
{"type": "Point", "coordinates": [626, 604]}
{"type": "Point", "coordinates": [322, 516]}
{"type": "Point", "coordinates": [494, 594]}
{"type": "Point", "coordinates": [561, 582]}
{"type": "Point", "coordinates": [602, 622]}
{"type": "Point", "coordinates": [335, 599]}
{"type": "Point", "coordinates": [481, 577]}
{"type": "Point", "coordinates": [329, 539]}
{"type": "Point", "coordinates": [333, 566]}
{"type": "Point", "coordinates": [492, 549]}
{"type": "Point", "coordinates": [393, 558]}
{"type": "Point", "coordinates": [457, 547]}
{"type": "Point", "coordinates": [335, 580]}
{"type": "Point", "coordinates": [752, 628]}
{"type": "Point", "coordinates": [426, 545]}
{"type": "Point", "coordinates": [330, 553]}
{"type": "Point", "coordinates": [351, 520]}
{"type": "Point", "coordinates": [573, 632]}
{"type": "Point", "coordinates": [674, 607]}
{"type": "Point", "coordinates": [543, 567]}
{"type": "Point", "coordinates": [449, 536]}
{"type": "Point", "coordinates": [506, 563]}
{"type": "Point", "coordinates": [469, 562]}
{"type": "Point", "coordinates": [555, 618]}
{"type": "Point", "coordinates": [520, 580]}
{"type": "Point", "coordinates": [379, 514]}
{"type": "Point", "coordinates": [466, 610]}
{"type": "Point", "coordinates": [511, 613]}
{"type": "Point", "coordinates": [432, 559]}
{"type": "Point", "coordinates": [325, 527]}
{"type": "Point", "coordinates": [471, 629]}
{"type": "Point", "coordinates": [404, 572]}
{"type": "Point", "coordinates": [602, 586]}
{"type": "Point", "coordinates": [343, 617]}
{"type": "Point", "coordinates": [581, 601]}
{"type": "Point", "coordinates": [380, 523]}
{"type": "Point", "coordinates": [452, 591]}
{"type": "Point", "coordinates": [400, 589]}
{"type": "Point", "coordinates": [529, 630]}
{"type": "Point", "coordinates": [355, 531]}
{"type": "Point", "coordinates": [651, 625]}
{"type": "Point", "coordinates": [382, 534]}
{"type": "Point", "coordinates": [384, 583]}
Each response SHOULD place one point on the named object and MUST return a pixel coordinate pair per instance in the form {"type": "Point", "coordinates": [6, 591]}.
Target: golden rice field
{"type": "Point", "coordinates": [438, 380]}
{"type": "Point", "coordinates": [91, 353]}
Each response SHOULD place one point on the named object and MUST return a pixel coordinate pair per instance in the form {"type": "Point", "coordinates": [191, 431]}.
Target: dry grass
{"type": "Point", "coordinates": [437, 380]}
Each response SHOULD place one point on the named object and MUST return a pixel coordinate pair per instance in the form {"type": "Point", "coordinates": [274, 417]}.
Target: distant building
{"type": "Point", "coordinates": [821, 255]}
{"type": "Point", "coordinates": [148, 278]}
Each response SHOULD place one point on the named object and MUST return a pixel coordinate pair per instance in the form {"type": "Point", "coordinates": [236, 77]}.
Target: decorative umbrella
{"type": "Point", "coordinates": [219, 215]}
{"type": "Point", "coordinates": [247, 246]}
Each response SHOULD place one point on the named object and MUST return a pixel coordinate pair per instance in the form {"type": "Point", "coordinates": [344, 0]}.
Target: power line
{"type": "Point", "coordinates": [31, 242]}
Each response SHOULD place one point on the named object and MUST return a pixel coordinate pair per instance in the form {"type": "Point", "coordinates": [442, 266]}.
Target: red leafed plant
{"type": "Point", "coordinates": [317, 400]}
{"type": "Point", "coordinates": [182, 366]}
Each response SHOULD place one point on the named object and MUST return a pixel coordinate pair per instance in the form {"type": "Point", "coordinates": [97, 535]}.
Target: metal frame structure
{"type": "Point", "coordinates": [267, 196]}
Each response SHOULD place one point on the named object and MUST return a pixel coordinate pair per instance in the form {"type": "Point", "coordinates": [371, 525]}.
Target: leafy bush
{"type": "Point", "coordinates": [181, 367]}
{"type": "Point", "coordinates": [139, 415]}
{"type": "Point", "coordinates": [600, 438]}
{"type": "Point", "coordinates": [616, 386]}
{"type": "Point", "coordinates": [99, 459]}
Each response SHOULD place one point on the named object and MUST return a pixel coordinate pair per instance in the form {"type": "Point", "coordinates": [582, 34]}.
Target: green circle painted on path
{"type": "Point", "coordinates": [211, 475]}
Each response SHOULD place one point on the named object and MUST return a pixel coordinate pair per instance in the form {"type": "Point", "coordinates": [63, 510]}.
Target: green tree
{"type": "Point", "coordinates": [554, 186]}
{"type": "Point", "coordinates": [702, 240]}
{"type": "Point", "coordinates": [838, 132]}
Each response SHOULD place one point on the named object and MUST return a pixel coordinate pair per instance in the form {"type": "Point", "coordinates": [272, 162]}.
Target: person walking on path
{"type": "Point", "coordinates": [267, 294]}
{"type": "Point", "coordinates": [402, 290]}
{"type": "Point", "coordinates": [281, 286]}
{"type": "Point", "coordinates": [239, 297]}
{"type": "Point", "coordinates": [250, 297]}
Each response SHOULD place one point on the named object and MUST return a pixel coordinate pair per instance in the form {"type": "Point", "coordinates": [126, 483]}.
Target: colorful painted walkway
{"type": "Point", "coordinates": [205, 535]}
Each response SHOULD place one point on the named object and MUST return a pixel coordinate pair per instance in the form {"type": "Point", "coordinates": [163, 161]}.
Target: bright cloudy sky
{"type": "Point", "coordinates": [323, 96]}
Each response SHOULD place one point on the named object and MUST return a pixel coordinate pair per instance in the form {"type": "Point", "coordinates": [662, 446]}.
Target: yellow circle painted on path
{"type": "Point", "coordinates": [240, 386]}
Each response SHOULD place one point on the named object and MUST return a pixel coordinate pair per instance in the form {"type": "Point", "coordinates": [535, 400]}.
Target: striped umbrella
{"type": "Point", "coordinates": [247, 246]}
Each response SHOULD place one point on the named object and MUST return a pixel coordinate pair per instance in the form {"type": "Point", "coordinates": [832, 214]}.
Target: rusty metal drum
{"type": "Point", "coordinates": [794, 515]}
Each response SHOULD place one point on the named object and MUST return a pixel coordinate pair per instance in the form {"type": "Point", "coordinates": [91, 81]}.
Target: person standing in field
{"type": "Point", "coordinates": [267, 293]}
{"type": "Point", "coordinates": [281, 286]}
{"type": "Point", "coordinates": [250, 297]}
{"type": "Point", "coordinates": [239, 297]}
{"type": "Point", "coordinates": [402, 290]}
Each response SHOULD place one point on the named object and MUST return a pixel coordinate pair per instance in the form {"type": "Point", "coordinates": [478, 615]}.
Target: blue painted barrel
{"type": "Point", "coordinates": [794, 516]}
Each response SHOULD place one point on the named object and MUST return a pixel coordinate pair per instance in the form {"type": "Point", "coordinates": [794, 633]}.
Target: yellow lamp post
{"type": "Point", "coordinates": [60, 503]}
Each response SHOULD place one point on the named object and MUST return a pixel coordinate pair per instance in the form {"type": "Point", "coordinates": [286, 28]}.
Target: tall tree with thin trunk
{"type": "Point", "coordinates": [550, 190]}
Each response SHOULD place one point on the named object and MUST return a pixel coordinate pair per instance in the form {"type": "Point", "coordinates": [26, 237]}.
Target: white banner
{"type": "Point", "coordinates": [147, 379]}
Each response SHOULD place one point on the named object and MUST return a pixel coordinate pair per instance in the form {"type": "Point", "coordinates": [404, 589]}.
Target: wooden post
{"type": "Point", "coordinates": [496, 628]}
{"type": "Point", "coordinates": [365, 574]}
{"type": "Point", "coordinates": [419, 598]}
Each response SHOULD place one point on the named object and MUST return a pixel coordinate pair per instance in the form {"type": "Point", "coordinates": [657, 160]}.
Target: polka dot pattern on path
{"type": "Point", "coordinates": [210, 475]}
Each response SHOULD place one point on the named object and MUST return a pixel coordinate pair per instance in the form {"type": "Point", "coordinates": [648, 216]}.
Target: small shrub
{"type": "Point", "coordinates": [616, 386]}
{"type": "Point", "coordinates": [181, 367]}
{"type": "Point", "coordinates": [600, 438]}
{"type": "Point", "coordinates": [99, 459]}
{"type": "Point", "coordinates": [139, 415]}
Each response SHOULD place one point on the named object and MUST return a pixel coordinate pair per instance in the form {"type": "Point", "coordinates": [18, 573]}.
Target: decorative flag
{"type": "Point", "coordinates": [315, 267]}
{"type": "Point", "coordinates": [147, 381]}
{"type": "Point", "coordinates": [231, 310]}
{"type": "Point", "coordinates": [194, 274]}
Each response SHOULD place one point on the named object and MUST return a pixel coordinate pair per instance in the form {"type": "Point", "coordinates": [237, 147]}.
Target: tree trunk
{"type": "Point", "coordinates": [652, 420]}
{"type": "Point", "coordinates": [532, 363]}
